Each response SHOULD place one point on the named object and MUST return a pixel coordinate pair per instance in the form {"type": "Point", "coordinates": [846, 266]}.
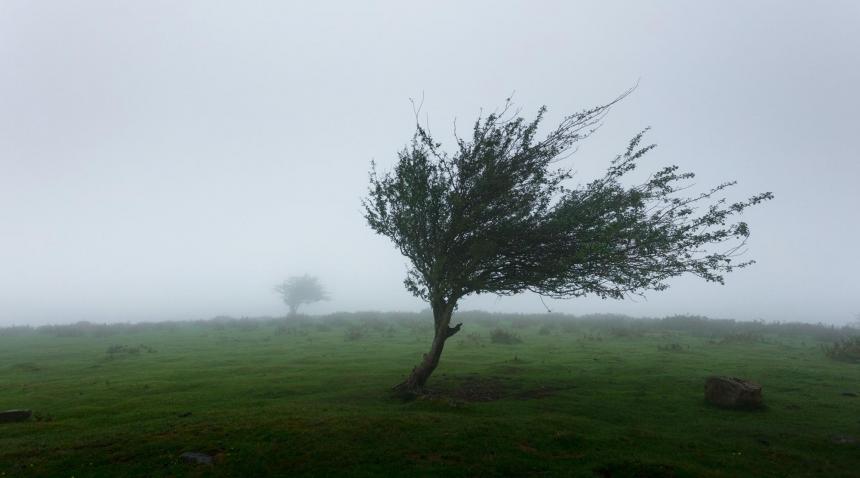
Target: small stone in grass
{"type": "Point", "coordinates": [843, 439]}
{"type": "Point", "coordinates": [196, 458]}
{"type": "Point", "coordinates": [9, 416]}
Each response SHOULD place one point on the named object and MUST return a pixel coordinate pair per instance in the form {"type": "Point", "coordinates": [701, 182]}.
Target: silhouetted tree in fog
{"type": "Point", "coordinates": [495, 217]}
{"type": "Point", "coordinates": [298, 290]}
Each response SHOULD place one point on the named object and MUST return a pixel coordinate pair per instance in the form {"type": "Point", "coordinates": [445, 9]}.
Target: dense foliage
{"type": "Point", "coordinates": [495, 217]}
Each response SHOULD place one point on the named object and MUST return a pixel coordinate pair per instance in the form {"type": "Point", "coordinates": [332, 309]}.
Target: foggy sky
{"type": "Point", "coordinates": [175, 160]}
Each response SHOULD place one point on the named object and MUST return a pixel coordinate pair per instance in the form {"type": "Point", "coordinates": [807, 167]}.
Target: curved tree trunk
{"type": "Point", "coordinates": [414, 384]}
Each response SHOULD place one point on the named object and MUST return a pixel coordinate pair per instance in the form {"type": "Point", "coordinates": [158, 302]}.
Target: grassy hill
{"type": "Point", "coordinates": [515, 396]}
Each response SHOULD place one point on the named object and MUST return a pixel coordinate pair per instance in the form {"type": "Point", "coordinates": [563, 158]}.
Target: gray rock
{"type": "Point", "coordinates": [196, 458]}
{"type": "Point", "coordinates": [733, 392]}
{"type": "Point", "coordinates": [843, 439]}
{"type": "Point", "coordinates": [9, 416]}
{"type": "Point", "coordinates": [849, 394]}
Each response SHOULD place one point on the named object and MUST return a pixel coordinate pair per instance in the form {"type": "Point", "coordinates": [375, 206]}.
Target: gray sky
{"type": "Point", "coordinates": [174, 160]}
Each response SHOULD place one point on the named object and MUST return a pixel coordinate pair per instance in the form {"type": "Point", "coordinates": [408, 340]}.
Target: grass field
{"type": "Point", "coordinates": [309, 397]}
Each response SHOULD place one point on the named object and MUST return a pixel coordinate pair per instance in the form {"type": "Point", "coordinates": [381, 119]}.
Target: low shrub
{"type": "Point", "coordinates": [673, 347]}
{"type": "Point", "coordinates": [625, 332]}
{"type": "Point", "coordinates": [291, 329]}
{"type": "Point", "coordinates": [741, 338]}
{"type": "Point", "coordinates": [846, 350]}
{"type": "Point", "coordinates": [546, 329]}
{"type": "Point", "coordinates": [354, 333]}
{"type": "Point", "coordinates": [473, 339]}
{"type": "Point", "coordinates": [502, 336]}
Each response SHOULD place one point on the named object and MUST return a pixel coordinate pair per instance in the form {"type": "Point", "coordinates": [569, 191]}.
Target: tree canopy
{"type": "Point", "coordinates": [299, 290]}
{"type": "Point", "coordinates": [498, 216]}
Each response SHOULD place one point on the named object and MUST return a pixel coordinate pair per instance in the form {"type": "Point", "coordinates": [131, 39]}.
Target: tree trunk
{"type": "Point", "coordinates": [294, 308]}
{"type": "Point", "coordinates": [414, 384]}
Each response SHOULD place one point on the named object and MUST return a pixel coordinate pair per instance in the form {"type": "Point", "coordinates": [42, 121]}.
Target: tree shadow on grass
{"type": "Point", "coordinates": [478, 388]}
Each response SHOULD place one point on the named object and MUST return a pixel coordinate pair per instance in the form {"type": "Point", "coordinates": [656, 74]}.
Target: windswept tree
{"type": "Point", "coordinates": [496, 216]}
{"type": "Point", "coordinates": [298, 290]}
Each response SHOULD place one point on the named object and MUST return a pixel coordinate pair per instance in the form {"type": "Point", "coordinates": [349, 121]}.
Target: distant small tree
{"type": "Point", "coordinates": [495, 217]}
{"type": "Point", "coordinates": [298, 290]}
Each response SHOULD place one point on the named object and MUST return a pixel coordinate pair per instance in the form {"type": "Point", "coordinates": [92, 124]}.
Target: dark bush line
{"type": "Point", "coordinates": [385, 323]}
{"type": "Point", "coordinates": [16, 331]}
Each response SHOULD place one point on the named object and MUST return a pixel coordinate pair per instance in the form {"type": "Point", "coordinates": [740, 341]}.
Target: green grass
{"type": "Point", "coordinates": [311, 399]}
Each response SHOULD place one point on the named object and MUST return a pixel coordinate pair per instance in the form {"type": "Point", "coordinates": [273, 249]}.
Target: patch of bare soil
{"type": "Point", "coordinates": [476, 388]}
{"type": "Point", "coordinates": [542, 391]}
{"type": "Point", "coordinates": [472, 389]}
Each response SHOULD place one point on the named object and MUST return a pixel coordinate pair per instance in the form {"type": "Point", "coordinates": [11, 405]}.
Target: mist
{"type": "Point", "coordinates": [164, 161]}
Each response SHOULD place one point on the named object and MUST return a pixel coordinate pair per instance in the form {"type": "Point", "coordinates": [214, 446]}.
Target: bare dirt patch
{"type": "Point", "coordinates": [472, 389]}
{"type": "Point", "coordinates": [476, 388]}
{"type": "Point", "coordinates": [542, 391]}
